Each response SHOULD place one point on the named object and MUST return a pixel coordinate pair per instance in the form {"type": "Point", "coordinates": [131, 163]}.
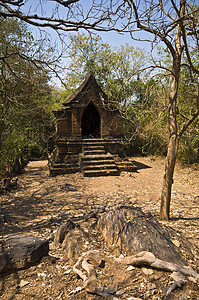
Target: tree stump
{"type": "Point", "coordinates": [72, 238]}
{"type": "Point", "coordinates": [130, 230]}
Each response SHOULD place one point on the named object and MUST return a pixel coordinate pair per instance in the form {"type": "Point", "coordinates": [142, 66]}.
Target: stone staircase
{"type": "Point", "coordinates": [68, 166]}
{"type": "Point", "coordinates": [95, 161]}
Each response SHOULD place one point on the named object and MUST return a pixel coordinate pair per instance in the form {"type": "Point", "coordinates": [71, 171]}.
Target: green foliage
{"type": "Point", "coordinates": [26, 100]}
{"type": "Point", "coordinates": [189, 146]}
{"type": "Point", "coordinates": [145, 122]}
{"type": "Point", "coordinates": [142, 98]}
{"type": "Point", "coordinates": [114, 68]}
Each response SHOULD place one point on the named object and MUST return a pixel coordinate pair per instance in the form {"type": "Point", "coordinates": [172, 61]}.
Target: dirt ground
{"type": "Point", "coordinates": [41, 203]}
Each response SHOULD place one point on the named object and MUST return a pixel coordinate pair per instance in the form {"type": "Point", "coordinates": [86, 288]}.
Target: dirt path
{"type": "Point", "coordinates": [41, 203]}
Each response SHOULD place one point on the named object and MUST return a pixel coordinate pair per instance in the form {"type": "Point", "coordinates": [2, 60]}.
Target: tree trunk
{"type": "Point", "coordinates": [173, 129]}
{"type": "Point", "coordinates": [172, 147]}
{"type": "Point", "coordinates": [168, 178]}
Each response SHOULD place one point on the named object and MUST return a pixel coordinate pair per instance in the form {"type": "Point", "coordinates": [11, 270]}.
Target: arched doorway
{"type": "Point", "coordinates": [90, 122]}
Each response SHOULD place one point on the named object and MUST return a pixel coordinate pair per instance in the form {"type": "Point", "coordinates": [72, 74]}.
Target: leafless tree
{"type": "Point", "coordinates": [70, 15]}
{"type": "Point", "coordinates": [176, 24]}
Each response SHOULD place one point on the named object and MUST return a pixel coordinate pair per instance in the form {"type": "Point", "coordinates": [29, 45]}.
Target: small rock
{"type": "Point", "coordinates": [23, 283]}
{"type": "Point", "coordinates": [120, 292]}
{"type": "Point", "coordinates": [130, 268]}
{"type": "Point", "coordinates": [22, 251]}
{"type": "Point", "coordinates": [78, 289]}
{"type": "Point", "coordinates": [156, 277]}
{"type": "Point", "coordinates": [151, 286]}
{"type": "Point", "coordinates": [176, 243]}
{"type": "Point", "coordinates": [68, 187]}
{"type": "Point", "coordinates": [41, 275]}
{"type": "Point", "coordinates": [111, 289]}
{"type": "Point", "coordinates": [147, 271]}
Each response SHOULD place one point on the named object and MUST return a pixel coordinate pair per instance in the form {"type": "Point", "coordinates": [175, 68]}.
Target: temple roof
{"type": "Point", "coordinates": [78, 96]}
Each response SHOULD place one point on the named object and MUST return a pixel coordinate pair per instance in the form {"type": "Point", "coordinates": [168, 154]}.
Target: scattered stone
{"type": "Point", "coordinates": [151, 286]}
{"type": "Point", "coordinates": [120, 292]}
{"type": "Point", "coordinates": [19, 251]}
{"type": "Point", "coordinates": [130, 268]}
{"type": "Point", "coordinates": [67, 272]}
{"type": "Point", "coordinates": [55, 282]}
{"type": "Point", "coordinates": [176, 243]}
{"type": "Point", "coordinates": [23, 283]}
{"type": "Point", "coordinates": [68, 188]}
{"type": "Point", "coordinates": [41, 275]}
{"type": "Point", "coordinates": [147, 271]}
{"type": "Point", "coordinates": [78, 289]}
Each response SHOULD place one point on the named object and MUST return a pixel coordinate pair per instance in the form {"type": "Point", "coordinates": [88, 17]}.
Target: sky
{"type": "Point", "coordinates": [113, 38]}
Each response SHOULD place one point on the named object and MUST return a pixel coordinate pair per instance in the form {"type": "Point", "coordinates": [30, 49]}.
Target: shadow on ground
{"type": "Point", "coordinates": [140, 165]}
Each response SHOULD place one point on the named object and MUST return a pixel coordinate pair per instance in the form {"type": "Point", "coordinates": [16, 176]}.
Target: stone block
{"type": "Point", "coordinates": [18, 251]}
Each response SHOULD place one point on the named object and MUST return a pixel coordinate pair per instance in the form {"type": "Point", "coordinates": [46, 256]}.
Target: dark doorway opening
{"type": "Point", "coordinates": [90, 122]}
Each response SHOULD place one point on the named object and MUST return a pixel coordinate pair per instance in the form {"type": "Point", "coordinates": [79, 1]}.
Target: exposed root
{"type": "Point", "coordinates": [93, 258]}
{"type": "Point", "coordinates": [149, 259]}
{"type": "Point", "coordinates": [89, 260]}
{"type": "Point", "coordinates": [173, 286]}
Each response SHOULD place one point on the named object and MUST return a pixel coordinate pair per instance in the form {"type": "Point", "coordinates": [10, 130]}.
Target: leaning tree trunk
{"type": "Point", "coordinates": [168, 177]}
{"type": "Point", "coordinates": [172, 149]}
{"type": "Point", "coordinates": [173, 130]}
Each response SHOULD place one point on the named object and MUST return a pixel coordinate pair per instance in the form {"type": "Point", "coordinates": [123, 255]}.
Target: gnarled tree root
{"type": "Point", "coordinates": [93, 258]}
{"type": "Point", "coordinates": [149, 259]}
{"type": "Point", "coordinates": [89, 260]}
{"type": "Point", "coordinates": [175, 285]}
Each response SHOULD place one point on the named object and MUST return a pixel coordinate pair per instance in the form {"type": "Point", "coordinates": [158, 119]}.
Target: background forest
{"type": "Point", "coordinates": [28, 98]}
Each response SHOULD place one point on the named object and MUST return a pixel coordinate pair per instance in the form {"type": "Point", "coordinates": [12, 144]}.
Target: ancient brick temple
{"type": "Point", "coordinates": [89, 133]}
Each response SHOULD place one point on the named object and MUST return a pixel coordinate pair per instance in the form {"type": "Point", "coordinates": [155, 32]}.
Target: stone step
{"type": "Point", "coordinates": [99, 161]}
{"type": "Point", "coordinates": [99, 167]}
{"type": "Point", "coordinates": [92, 158]}
{"type": "Point", "coordinates": [65, 164]}
{"type": "Point", "coordinates": [62, 165]}
{"type": "Point", "coordinates": [93, 141]}
{"type": "Point", "coordinates": [95, 173]}
{"type": "Point", "coordinates": [93, 147]}
{"type": "Point", "coordinates": [61, 171]}
{"type": "Point", "coordinates": [96, 143]}
{"type": "Point", "coordinates": [94, 152]}
{"type": "Point", "coordinates": [94, 161]}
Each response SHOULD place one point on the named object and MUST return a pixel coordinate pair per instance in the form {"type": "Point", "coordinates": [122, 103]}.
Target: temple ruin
{"type": "Point", "coordinates": [89, 133]}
